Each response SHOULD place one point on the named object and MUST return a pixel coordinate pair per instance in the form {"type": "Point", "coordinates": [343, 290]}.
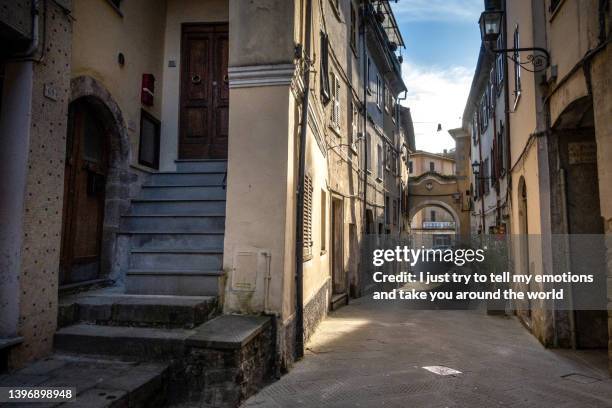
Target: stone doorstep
{"type": "Point", "coordinates": [99, 382]}
{"type": "Point", "coordinates": [137, 310]}
{"type": "Point", "coordinates": [228, 332]}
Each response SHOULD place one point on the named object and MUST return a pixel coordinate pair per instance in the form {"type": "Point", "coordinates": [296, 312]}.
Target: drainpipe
{"type": "Point", "coordinates": [299, 241]}
{"type": "Point", "coordinates": [480, 181]}
{"type": "Point", "coordinates": [35, 33]}
{"type": "Point", "coordinates": [364, 33]}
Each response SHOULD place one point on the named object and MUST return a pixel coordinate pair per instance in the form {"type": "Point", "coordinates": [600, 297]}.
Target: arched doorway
{"type": "Point", "coordinates": [575, 142]}
{"type": "Point", "coordinates": [86, 172]}
{"type": "Point", "coordinates": [97, 175]}
{"type": "Point", "coordinates": [524, 310]}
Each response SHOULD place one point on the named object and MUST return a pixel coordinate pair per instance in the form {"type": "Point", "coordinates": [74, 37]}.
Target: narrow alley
{"type": "Point", "coordinates": [372, 354]}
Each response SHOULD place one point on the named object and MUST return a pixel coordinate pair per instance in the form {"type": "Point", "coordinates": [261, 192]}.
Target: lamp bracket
{"type": "Point", "coordinates": [539, 58]}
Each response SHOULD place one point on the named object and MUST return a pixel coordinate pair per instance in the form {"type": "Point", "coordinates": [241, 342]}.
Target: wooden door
{"type": "Point", "coordinates": [84, 187]}
{"type": "Point", "coordinates": [338, 277]}
{"type": "Point", "coordinates": [204, 108]}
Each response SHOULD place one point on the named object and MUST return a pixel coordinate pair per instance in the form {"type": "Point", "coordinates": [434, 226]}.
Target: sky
{"type": "Point", "coordinates": [442, 44]}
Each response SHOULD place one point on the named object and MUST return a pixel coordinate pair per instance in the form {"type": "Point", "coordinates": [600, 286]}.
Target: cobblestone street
{"type": "Point", "coordinates": [371, 354]}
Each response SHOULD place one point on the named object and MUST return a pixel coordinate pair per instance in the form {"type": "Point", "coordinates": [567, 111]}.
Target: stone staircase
{"type": "Point", "coordinates": [167, 316]}
{"type": "Point", "coordinates": [176, 229]}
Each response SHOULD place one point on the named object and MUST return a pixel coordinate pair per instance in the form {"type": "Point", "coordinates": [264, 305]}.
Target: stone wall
{"type": "Point", "coordinates": [42, 218]}
{"type": "Point", "coordinates": [222, 377]}
{"type": "Point", "coordinates": [316, 310]}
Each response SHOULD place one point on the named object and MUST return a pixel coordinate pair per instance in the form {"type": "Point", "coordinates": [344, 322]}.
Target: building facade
{"type": "Point", "coordinates": [157, 149]}
{"type": "Point", "coordinates": [558, 137]}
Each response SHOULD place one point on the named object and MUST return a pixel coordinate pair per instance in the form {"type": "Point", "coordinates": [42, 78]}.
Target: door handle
{"type": "Point", "coordinates": [196, 79]}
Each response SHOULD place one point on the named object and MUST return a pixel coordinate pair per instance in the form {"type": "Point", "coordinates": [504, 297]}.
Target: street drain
{"type": "Point", "coordinates": [580, 378]}
{"type": "Point", "coordinates": [441, 370]}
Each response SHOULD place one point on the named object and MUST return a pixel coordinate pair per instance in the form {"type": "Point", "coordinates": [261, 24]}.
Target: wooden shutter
{"type": "Point", "coordinates": [324, 68]}
{"type": "Point", "coordinates": [336, 99]}
{"type": "Point", "coordinates": [307, 231]}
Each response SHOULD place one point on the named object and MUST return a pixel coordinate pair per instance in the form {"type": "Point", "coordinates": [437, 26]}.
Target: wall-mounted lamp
{"type": "Point", "coordinates": [490, 28]}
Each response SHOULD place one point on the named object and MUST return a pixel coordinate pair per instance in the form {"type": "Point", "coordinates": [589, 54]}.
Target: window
{"type": "Point", "coordinates": [368, 78]}
{"type": "Point", "coordinates": [383, 99]}
{"type": "Point", "coordinates": [410, 168]}
{"type": "Point", "coordinates": [148, 147]}
{"type": "Point", "coordinates": [381, 160]}
{"type": "Point", "coordinates": [433, 216]}
{"type": "Point", "coordinates": [335, 96]}
{"type": "Point", "coordinates": [353, 27]}
{"type": "Point", "coordinates": [475, 128]}
{"type": "Point", "coordinates": [323, 220]}
{"type": "Point", "coordinates": [307, 219]}
{"type": "Point", "coordinates": [499, 63]}
{"type": "Point", "coordinates": [492, 92]}
{"type": "Point", "coordinates": [394, 212]}
{"type": "Point", "coordinates": [517, 67]}
{"type": "Point", "coordinates": [354, 124]}
{"type": "Point", "coordinates": [432, 166]}
{"type": "Point", "coordinates": [486, 173]}
{"type": "Point", "coordinates": [379, 91]}
{"type": "Point", "coordinates": [368, 153]}
{"type": "Point", "coordinates": [387, 211]}
{"type": "Point", "coordinates": [325, 95]}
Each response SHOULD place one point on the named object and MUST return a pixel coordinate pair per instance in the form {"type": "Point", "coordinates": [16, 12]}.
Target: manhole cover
{"type": "Point", "coordinates": [580, 378]}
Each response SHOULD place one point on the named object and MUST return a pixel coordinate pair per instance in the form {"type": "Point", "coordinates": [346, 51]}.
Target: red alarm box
{"type": "Point", "coordinates": [148, 89]}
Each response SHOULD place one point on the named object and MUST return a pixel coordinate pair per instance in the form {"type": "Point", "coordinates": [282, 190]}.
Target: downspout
{"type": "Point", "coordinates": [35, 33]}
{"type": "Point", "coordinates": [364, 32]}
{"type": "Point", "coordinates": [480, 180]}
{"type": "Point", "coordinates": [299, 241]}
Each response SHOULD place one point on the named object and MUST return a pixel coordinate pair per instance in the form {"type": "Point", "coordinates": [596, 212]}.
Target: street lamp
{"type": "Point", "coordinates": [490, 25]}
{"type": "Point", "coordinates": [476, 168]}
{"type": "Point", "coordinates": [490, 29]}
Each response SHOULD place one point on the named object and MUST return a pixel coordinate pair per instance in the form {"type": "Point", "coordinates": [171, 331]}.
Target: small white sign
{"type": "Point", "coordinates": [441, 370]}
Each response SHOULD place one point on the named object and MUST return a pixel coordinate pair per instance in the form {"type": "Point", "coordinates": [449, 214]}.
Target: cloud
{"type": "Point", "coordinates": [438, 10]}
{"type": "Point", "coordinates": [436, 95]}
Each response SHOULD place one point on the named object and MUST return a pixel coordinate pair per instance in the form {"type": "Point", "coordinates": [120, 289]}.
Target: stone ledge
{"type": "Point", "coordinates": [228, 332]}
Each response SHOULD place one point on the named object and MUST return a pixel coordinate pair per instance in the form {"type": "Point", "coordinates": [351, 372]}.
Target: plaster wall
{"type": "Point", "coordinates": [101, 33]}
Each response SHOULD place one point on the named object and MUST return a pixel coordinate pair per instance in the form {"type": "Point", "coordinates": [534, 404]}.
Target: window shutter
{"type": "Point", "coordinates": [336, 101]}
{"type": "Point", "coordinates": [324, 68]}
{"type": "Point", "coordinates": [307, 227]}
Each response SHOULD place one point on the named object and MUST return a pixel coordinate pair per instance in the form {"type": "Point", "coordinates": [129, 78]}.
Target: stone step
{"type": "Point", "coordinates": [182, 223]}
{"type": "Point", "coordinates": [189, 282]}
{"type": "Point", "coordinates": [185, 207]}
{"type": "Point", "coordinates": [99, 382]}
{"type": "Point", "coordinates": [164, 240]}
{"type": "Point", "coordinates": [142, 343]}
{"type": "Point", "coordinates": [119, 309]}
{"type": "Point", "coordinates": [182, 193]}
{"type": "Point", "coordinates": [207, 259]}
{"type": "Point", "coordinates": [187, 179]}
{"type": "Point", "coordinates": [201, 165]}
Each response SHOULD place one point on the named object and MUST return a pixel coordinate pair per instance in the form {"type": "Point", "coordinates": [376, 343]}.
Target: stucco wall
{"type": "Point", "coordinates": [101, 33]}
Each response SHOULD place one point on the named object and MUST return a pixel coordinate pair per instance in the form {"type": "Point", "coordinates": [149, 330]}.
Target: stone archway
{"type": "Point", "coordinates": [118, 179]}
{"type": "Point", "coordinates": [434, 190]}
{"type": "Point", "coordinates": [439, 204]}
